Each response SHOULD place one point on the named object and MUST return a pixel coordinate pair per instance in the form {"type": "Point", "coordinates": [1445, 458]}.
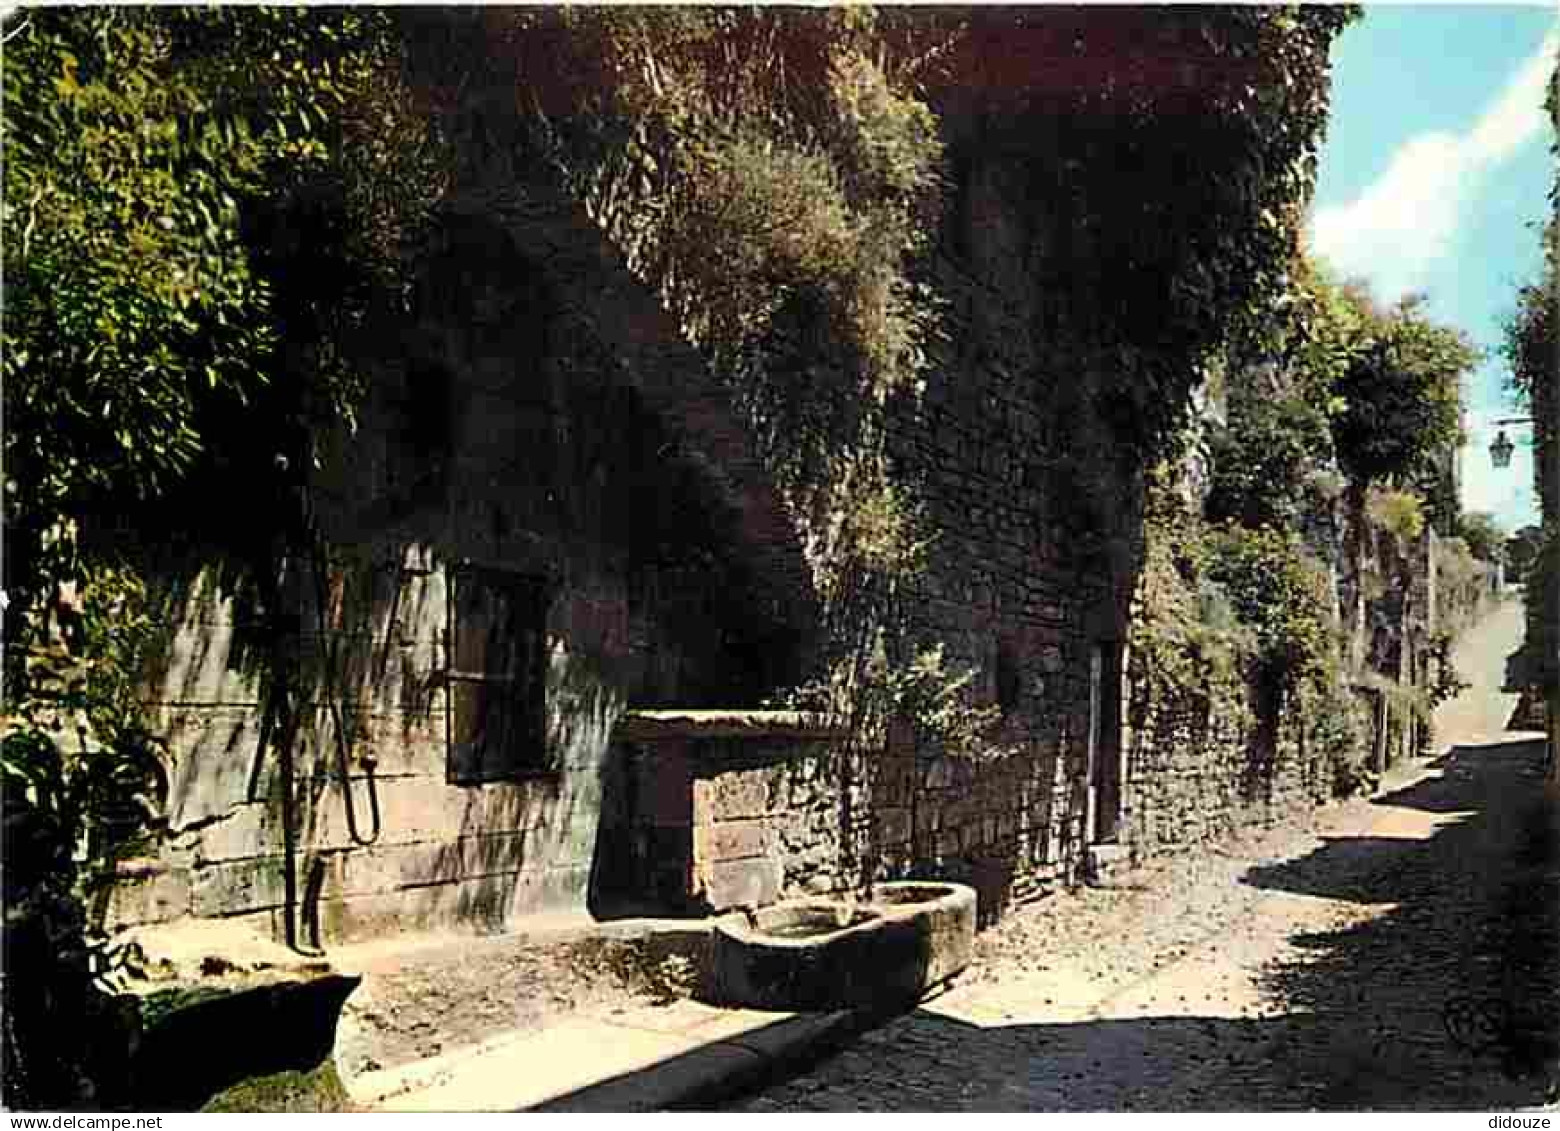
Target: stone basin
{"type": "Point", "coordinates": [884, 952]}
{"type": "Point", "coordinates": [945, 913]}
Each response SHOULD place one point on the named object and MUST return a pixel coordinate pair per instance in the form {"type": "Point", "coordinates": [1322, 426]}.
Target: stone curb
{"type": "Point", "coordinates": [672, 1069]}
{"type": "Point", "coordinates": [720, 1070]}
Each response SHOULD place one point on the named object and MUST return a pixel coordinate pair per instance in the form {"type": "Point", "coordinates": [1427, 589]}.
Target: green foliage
{"type": "Point", "coordinates": [1185, 633]}
{"type": "Point", "coordinates": [157, 162]}
{"type": "Point", "coordinates": [1221, 611]}
{"type": "Point", "coordinates": [197, 206]}
{"type": "Point", "coordinates": [1276, 460]}
{"type": "Point", "coordinates": [1387, 383]}
{"type": "Point", "coordinates": [1280, 593]}
{"type": "Point", "coordinates": [1264, 459]}
{"type": "Point", "coordinates": [1456, 567]}
{"type": "Point", "coordinates": [82, 777]}
{"type": "Point", "coordinates": [77, 757]}
{"type": "Point", "coordinates": [1189, 264]}
{"type": "Point", "coordinates": [1402, 393]}
{"type": "Point", "coordinates": [924, 691]}
{"type": "Point", "coordinates": [1530, 348]}
{"type": "Point", "coordinates": [1320, 332]}
{"type": "Point", "coordinates": [774, 178]}
{"type": "Point", "coordinates": [1337, 727]}
{"type": "Point", "coordinates": [175, 294]}
{"type": "Point", "coordinates": [1399, 513]}
{"type": "Point", "coordinates": [1483, 536]}
{"type": "Point", "coordinates": [127, 282]}
{"type": "Point", "coordinates": [1542, 587]}
{"type": "Point", "coordinates": [790, 191]}
{"type": "Point", "coordinates": [318, 1089]}
{"type": "Point", "coordinates": [1521, 549]}
{"type": "Point", "coordinates": [935, 699]}
{"type": "Point", "coordinates": [1448, 683]}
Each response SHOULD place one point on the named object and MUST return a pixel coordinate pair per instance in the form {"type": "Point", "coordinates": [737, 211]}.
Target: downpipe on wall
{"type": "Point", "coordinates": [328, 659]}
{"type": "Point", "coordinates": [279, 729]}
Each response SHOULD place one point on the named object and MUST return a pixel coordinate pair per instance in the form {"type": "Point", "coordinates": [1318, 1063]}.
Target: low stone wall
{"type": "Point", "coordinates": [1205, 766]}
{"type": "Point", "coordinates": [717, 809]}
{"type": "Point", "coordinates": [736, 809]}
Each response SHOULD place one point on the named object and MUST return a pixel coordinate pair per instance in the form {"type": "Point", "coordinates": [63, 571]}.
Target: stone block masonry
{"type": "Point", "coordinates": [541, 418]}
{"type": "Point", "coordinates": [522, 540]}
{"type": "Point", "coordinates": [725, 817]}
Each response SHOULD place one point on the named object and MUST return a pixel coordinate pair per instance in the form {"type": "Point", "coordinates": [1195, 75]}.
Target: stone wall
{"type": "Point", "coordinates": [502, 441]}
{"type": "Point", "coordinates": [541, 416]}
{"type": "Point", "coordinates": [1036, 520]}
{"type": "Point", "coordinates": [1227, 755]}
{"type": "Point", "coordinates": [545, 423]}
{"type": "Point", "coordinates": [710, 810]}
{"type": "Point", "coordinates": [716, 810]}
{"type": "Point", "coordinates": [1203, 766]}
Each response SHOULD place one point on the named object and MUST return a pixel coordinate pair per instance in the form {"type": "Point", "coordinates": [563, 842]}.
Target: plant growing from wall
{"type": "Point", "coordinates": [1186, 634]}
{"type": "Point", "coordinates": [772, 177]}
{"type": "Point", "coordinates": [151, 332]}
{"type": "Point", "coordinates": [1520, 550]}
{"type": "Point", "coordinates": [1400, 513]}
{"type": "Point", "coordinates": [1223, 609]}
{"type": "Point", "coordinates": [773, 184]}
{"type": "Point", "coordinates": [1336, 728]}
{"type": "Point", "coordinates": [1280, 592]}
{"type": "Point", "coordinates": [1264, 458]}
{"type": "Point", "coordinates": [775, 177]}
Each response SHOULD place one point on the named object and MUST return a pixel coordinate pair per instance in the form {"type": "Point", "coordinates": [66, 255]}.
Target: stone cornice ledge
{"type": "Point", "coordinates": [648, 726]}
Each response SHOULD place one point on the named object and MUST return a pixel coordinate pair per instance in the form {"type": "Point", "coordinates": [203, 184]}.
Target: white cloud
{"type": "Point", "coordinates": [1518, 113]}
{"type": "Point", "coordinates": [1507, 492]}
{"type": "Point", "coordinates": [1404, 221]}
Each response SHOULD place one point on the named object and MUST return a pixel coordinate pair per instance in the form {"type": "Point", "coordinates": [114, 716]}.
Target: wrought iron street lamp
{"type": "Point", "coordinates": [1502, 447]}
{"type": "Point", "coordinates": [1500, 454]}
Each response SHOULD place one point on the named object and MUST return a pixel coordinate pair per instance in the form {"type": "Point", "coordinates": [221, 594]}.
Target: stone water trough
{"type": "Point", "coordinates": [884, 951]}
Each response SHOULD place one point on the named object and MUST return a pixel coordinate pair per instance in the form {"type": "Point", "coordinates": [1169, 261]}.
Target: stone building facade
{"type": "Point", "coordinates": [543, 595]}
{"type": "Point", "coordinates": [550, 518]}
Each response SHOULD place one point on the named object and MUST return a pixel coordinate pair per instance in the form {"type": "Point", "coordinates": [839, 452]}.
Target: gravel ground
{"type": "Point", "coordinates": [433, 995]}
{"type": "Point", "coordinates": [1395, 953]}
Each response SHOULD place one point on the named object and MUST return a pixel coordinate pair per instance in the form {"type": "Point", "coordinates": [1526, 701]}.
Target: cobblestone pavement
{"type": "Point", "coordinates": [1316, 965]}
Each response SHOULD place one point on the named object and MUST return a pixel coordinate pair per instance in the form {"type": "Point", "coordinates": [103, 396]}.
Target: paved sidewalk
{"type": "Point", "coordinates": [644, 1058]}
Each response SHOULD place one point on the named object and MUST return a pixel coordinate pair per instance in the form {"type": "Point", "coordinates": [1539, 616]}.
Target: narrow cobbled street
{"type": "Point", "coordinates": [1399, 952]}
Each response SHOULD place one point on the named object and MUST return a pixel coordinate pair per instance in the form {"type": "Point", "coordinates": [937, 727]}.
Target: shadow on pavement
{"type": "Point", "coordinates": [1296, 1062]}
{"type": "Point", "coordinates": [1448, 998]}
{"type": "Point", "coordinates": [1471, 945]}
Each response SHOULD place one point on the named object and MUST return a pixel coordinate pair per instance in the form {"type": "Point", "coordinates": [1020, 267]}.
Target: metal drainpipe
{"type": "Point", "coordinates": [286, 769]}
{"type": "Point", "coordinates": [289, 840]}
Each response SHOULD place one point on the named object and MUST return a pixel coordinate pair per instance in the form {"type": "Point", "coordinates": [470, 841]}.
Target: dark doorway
{"type": "Point", "coordinates": [1104, 742]}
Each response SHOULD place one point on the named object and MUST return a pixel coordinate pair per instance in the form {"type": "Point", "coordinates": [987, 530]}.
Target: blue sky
{"type": "Point", "coordinates": [1435, 169]}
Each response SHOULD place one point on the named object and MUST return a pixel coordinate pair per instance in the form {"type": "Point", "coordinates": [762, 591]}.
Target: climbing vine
{"type": "Point", "coordinates": [198, 206]}
{"type": "Point", "coordinates": [780, 178]}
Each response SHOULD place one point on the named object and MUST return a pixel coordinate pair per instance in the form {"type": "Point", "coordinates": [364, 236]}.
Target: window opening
{"type": "Point", "coordinates": [496, 676]}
